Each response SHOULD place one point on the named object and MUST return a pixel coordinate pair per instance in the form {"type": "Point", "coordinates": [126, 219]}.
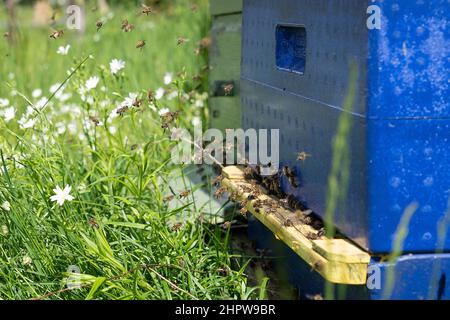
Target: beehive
{"type": "Point", "coordinates": [295, 77]}
{"type": "Point", "coordinates": [225, 58]}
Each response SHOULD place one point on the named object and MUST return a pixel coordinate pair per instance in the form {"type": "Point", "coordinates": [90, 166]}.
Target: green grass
{"type": "Point", "coordinates": [117, 230]}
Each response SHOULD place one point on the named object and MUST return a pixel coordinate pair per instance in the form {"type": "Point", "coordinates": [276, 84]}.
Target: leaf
{"type": "Point", "coordinates": [97, 284]}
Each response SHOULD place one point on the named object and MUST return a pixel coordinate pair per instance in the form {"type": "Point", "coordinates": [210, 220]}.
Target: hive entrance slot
{"type": "Point", "coordinates": [291, 48]}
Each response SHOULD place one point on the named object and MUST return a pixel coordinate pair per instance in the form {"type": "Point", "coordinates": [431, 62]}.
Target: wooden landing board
{"type": "Point", "coordinates": [337, 260]}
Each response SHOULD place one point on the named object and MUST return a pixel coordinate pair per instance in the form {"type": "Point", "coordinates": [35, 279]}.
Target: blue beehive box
{"type": "Point", "coordinates": [295, 71]}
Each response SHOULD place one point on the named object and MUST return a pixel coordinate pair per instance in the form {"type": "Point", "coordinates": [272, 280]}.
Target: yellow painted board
{"type": "Point", "coordinates": [337, 260]}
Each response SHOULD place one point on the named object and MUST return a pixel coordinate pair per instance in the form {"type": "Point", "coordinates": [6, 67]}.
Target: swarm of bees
{"type": "Point", "coordinates": [57, 34]}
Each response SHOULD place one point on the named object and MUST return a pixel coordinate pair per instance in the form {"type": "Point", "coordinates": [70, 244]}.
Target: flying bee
{"type": "Point", "coordinates": [302, 156]}
{"type": "Point", "coordinates": [99, 25]}
{"type": "Point", "coordinates": [146, 9]}
{"type": "Point", "coordinates": [93, 223]}
{"type": "Point", "coordinates": [176, 226]}
{"type": "Point", "coordinates": [57, 34]}
{"type": "Point", "coordinates": [228, 89]}
{"type": "Point", "coordinates": [168, 198]}
{"type": "Point", "coordinates": [126, 26]}
{"type": "Point", "coordinates": [6, 35]}
{"type": "Point", "coordinates": [140, 44]}
{"type": "Point", "coordinates": [182, 40]}
{"type": "Point", "coordinates": [185, 194]}
{"type": "Point", "coordinates": [122, 110]}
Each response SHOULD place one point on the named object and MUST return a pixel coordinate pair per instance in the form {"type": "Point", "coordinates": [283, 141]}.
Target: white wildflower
{"type": "Point", "coordinates": [62, 195]}
{"type": "Point", "coordinates": [116, 65]}
{"type": "Point", "coordinates": [4, 231]}
{"type": "Point", "coordinates": [4, 102]}
{"type": "Point", "coordinates": [36, 93]}
{"type": "Point", "coordinates": [168, 77]}
{"type": "Point", "coordinates": [92, 82]}
{"type": "Point", "coordinates": [163, 111]}
{"type": "Point", "coordinates": [63, 50]}
{"type": "Point", "coordinates": [159, 93]}
{"type": "Point", "coordinates": [196, 121]}
{"type": "Point", "coordinates": [26, 261]}
{"type": "Point", "coordinates": [6, 206]}
{"type": "Point", "coordinates": [9, 114]}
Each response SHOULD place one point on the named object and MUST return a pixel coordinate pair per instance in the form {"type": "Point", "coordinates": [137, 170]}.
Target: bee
{"type": "Point", "coordinates": [219, 193]}
{"type": "Point", "coordinates": [228, 89]}
{"type": "Point", "coordinates": [94, 120]}
{"type": "Point", "coordinates": [288, 223]}
{"type": "Point", "coordinates": [57, 34]}
{"type": "Point", "coordinates": [134, 147]}
{"type": "Point", "coordinates": [302, 156]}
{"type": "Point", "coordinates": [126, 26]}
{"type": "Point", "coordinates": [185, 194]}
{"type": "Point", "coordinates": [6, 35]}
{"type": "Point", "coordinates": [93, 223]}
{"type": "Point", "coordinates": [177, 226]}
{"type": "Point", "coordinates": [182, 40]}
{"type": "Point", "coordinates": [290, 174]}
{"type": "Point", "coordinates": [99, 25]}
{"type": "Point", "coordinates": [146, 9]}
{"type": "Point", "coordinates": [223, 271]}
{"type": "Point", "coordinates": [204, 43]}
{"type": "Point", "coordinates": [194, 8]}
{"type": "Point", "coordinates": [168, 118]}
{"type": "Point", "coordinates": [140, 44]}
{"type": "Point", "coordinates": [150, 95]}
{"type": "Point", "coordinates": [137, 103]}
{"type": "Point", "coordinates": [243, 211]}
{"type": "Point", "coordinates": [168, 198]}
{"type": "Point", "coordinates": [321, 232]}
{"type": "Point", "coordinates": [122, 110]}
{"type": "Point", "coordinates": [217, 180]}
